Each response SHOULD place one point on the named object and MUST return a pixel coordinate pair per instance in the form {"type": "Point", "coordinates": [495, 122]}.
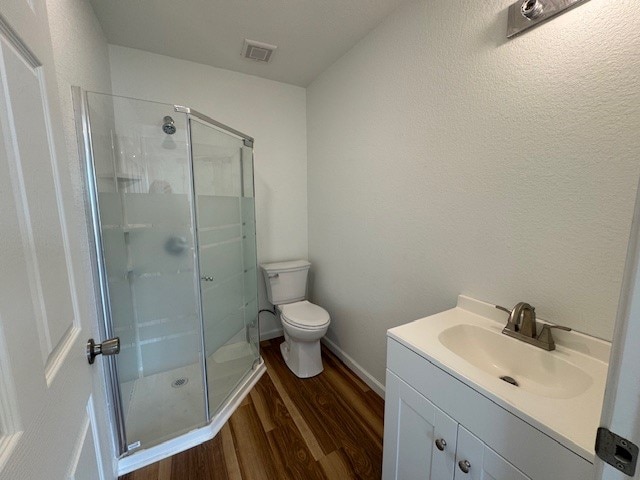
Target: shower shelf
{"type": "Point", "coordinates": [131, 273]}
{"type": "Point", "coordinates": [132, 227]}
{"type": "Point", "coordinates": [122, 177]}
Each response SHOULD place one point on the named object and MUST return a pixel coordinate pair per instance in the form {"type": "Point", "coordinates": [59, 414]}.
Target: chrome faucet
{"type": "Point", "coordinates": [522, 326]}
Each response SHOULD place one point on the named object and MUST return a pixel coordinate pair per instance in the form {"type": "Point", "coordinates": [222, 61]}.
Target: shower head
{"type": "Point", "coordinates": [168, 127]}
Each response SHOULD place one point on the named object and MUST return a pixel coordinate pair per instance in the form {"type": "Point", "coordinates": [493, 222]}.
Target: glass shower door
{"type": "Point", "coordinates": [223, 186]}
{"type": "Point", "coordinates": [144, 197]}
{"type": "Point", "coordinates": [173, 215]}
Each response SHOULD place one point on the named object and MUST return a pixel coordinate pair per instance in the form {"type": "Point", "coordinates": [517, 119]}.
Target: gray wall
{"type": "Point", "coordinates": [445, 159]}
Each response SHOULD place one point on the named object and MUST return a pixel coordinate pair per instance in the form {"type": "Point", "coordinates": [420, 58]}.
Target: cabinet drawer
{"type": "Point", "coordinates": [537, 455]}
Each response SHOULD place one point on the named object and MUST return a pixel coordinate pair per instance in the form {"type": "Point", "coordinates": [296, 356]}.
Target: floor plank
{"type": "Point", "coordinates": [229, 453]}
{"type": "Point", "coordinates": [252, 446]}
{"type": "Point", "coordinates": [164, 469]}
{"type": "Point", "coordinates": [321, 428]}
{"type": "Point", "coordinates": [148, 473]}
{"type": "Point", "coordinates": [288, 446]}
{"type": "Point", "coordinates": [264, 407]}
{"type": "Point", "coordinates": [316, 433]}
{"type": "Point", "coordinates": [303, 399]}
{"type": "Point", "coordinates": [336, 363]}
{"type": "Point", "coordinates": [336, 465]}
{"type": "Point", "coordinates": [331, 417]}
{"type": "Point", "coordinates": [355, 400]}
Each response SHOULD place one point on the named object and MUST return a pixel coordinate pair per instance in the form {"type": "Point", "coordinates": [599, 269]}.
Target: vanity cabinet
{"type": "Point", "coordinates": [435, 422]}
{"type": "Point", "coordinates": [421, 441]}
{"type": "Point", "coordinates": [412, 426]}
{"type": "Point", "coordinates": [476, 461]}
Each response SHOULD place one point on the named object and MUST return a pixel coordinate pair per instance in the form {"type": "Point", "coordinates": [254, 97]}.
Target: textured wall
{"type": "Point", "coordinates": [445, 159]}
{"type": "Point", "coordinates": [81, 58]}
{"type": "Point", "coordinates": [273, 113]}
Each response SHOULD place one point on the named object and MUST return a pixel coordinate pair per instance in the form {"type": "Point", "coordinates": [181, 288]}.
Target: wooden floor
{"type": "Point", "coordinates": [326, 427]}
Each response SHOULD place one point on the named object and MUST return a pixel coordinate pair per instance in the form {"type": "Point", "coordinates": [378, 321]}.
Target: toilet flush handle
{"type": "Point", "coordinates": [274, 275]}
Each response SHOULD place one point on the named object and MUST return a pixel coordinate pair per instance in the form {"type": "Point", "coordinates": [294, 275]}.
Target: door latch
{"type": "Point", "coordinates": [617, 451]}
{"type": "Point", "coordinates": [108, 347]}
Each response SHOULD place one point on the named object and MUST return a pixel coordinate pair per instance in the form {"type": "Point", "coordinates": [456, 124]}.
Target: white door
{"type": "Point", "coordinates": [413, 425]}
{"type": "Point", "coordinates": [46, 413]}
{"type": "Point", "coordinates": [476, 461]}
{"type": "Point", "coordinates": [621, 411]}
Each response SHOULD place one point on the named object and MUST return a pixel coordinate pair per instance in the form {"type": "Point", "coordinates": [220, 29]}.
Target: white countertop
{"type": "Point", "coordinates": [571, 421]}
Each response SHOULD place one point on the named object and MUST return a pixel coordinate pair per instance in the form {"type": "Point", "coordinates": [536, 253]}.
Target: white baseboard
{"type": "Point", "coordinates": [179, 444]}
{"type": "Point", "coordinates": [275, 333]}
{"type": "Point", "coordinates": [355, 367]}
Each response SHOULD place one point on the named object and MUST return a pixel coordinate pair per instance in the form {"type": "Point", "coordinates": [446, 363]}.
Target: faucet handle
{"type": "Point", "coordinates": [546, 337]}
{"type": "Point", "coordinates": [512, 326]}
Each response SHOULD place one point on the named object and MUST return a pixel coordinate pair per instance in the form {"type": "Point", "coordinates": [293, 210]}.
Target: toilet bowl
{"type": "Point", "coordinates": [304, 323]}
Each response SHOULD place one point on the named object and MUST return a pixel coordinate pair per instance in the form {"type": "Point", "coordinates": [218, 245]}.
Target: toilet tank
{"type": "Point", "coordinates": [286, 281]}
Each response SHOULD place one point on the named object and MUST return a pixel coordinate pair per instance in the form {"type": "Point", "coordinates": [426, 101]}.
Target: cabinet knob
{"type": "Point", "coordinates": [440, 444]}
{"type": "Point", "coordinates": [464, 465]}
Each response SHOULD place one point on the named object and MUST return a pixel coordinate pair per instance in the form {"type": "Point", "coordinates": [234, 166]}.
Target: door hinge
{"type": "Point", "coordinates": [617, 451]}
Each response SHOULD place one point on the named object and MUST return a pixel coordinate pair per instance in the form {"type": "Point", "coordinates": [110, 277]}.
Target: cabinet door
{"type": "Point", "coordinates": [412, 426]}
{"type": "Point", "coordinates": [483, 463]}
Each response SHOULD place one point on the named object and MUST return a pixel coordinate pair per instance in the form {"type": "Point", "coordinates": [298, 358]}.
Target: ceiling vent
{"type": "Point", "coordinates": [258, 51]}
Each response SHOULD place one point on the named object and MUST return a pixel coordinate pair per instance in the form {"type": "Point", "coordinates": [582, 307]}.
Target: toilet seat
{"type": "Point", "coordinates": [305, 315]}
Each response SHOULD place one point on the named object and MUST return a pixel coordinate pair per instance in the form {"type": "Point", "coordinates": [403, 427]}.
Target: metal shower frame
{"type": "Point", "coordinates": [101, 290]}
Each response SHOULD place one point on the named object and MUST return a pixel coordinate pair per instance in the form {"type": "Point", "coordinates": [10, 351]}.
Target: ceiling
{"type": "Point", "coordinates": [310, 34]}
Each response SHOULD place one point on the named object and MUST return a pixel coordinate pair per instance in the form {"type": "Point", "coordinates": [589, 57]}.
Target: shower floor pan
{"type": "Point", "coordinates": [158, 411]}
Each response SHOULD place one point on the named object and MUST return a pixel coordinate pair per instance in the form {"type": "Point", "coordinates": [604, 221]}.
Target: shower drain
{"type": "Point", "coordinates": [179, 382]}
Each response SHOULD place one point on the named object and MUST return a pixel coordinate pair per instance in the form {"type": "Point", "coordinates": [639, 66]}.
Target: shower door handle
{"type": "Point", "coordinates": [108, 347]}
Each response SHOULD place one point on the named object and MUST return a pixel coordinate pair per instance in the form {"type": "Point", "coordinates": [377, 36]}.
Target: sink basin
{"type": "Point", "coordinates": [535, 370]}
{"type": "Point", "coordinates": [559, 392]}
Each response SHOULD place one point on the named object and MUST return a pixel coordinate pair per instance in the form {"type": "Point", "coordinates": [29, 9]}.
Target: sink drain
{"type": "Point", "coordinates": [179, 382]}
{"type": "Point", "coordinates": [508, 379]}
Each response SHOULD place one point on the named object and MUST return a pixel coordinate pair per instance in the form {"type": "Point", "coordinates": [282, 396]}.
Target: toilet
{"type": "Point", "coordinates": [304, 323]}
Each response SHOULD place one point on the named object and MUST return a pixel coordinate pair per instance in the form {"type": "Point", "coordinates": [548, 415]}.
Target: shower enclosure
{"type": "Point", "coordinates": [171, 196]}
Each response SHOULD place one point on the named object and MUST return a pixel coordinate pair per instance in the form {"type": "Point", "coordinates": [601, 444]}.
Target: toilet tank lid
{"type": "Point", "coordinates": [285, 266]}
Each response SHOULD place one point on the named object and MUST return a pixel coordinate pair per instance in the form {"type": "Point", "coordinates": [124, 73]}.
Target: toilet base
{"type": "Point", "coordinates": [303, 358]}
